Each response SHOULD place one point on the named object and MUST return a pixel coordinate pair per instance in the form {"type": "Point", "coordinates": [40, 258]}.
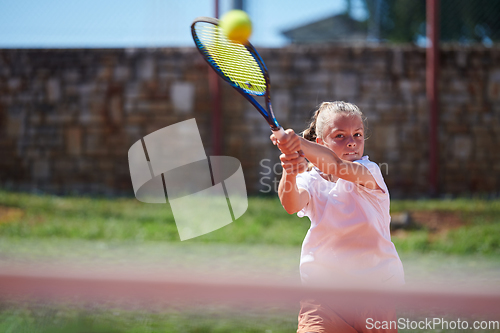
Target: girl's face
{"type": "Point", "coordinates": [345, 135]}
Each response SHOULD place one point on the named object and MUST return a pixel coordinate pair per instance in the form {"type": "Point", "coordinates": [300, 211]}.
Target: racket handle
{"type": "Point", "coordinates": [279, 133]}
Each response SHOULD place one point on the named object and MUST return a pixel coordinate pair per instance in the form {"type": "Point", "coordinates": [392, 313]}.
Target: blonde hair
{"type": "Point", "coordinates": [324, 112]}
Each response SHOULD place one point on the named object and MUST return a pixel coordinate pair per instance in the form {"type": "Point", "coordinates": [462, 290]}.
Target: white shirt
{"type": "Point", "coordinates": [349, 239]}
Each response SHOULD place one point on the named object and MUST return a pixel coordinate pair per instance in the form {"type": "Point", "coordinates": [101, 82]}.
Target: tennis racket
{"type": "Point", "coordinates": [238, 64]}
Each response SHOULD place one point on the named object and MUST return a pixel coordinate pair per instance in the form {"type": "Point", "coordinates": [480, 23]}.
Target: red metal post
{"type": "Point", "coordinates": [214, 84]}
{"type": "Point", "coordinates": [432, 74]}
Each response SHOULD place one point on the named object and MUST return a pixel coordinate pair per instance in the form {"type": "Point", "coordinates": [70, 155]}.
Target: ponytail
{"type": "Point", "coordinates": [310, 132]}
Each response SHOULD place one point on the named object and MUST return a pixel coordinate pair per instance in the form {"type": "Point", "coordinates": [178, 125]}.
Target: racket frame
{"type": "Point", "coordinates": [267, 113]}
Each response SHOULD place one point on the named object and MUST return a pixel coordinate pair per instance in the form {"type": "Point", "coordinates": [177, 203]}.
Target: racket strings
{"type": "Point", "coordinates": [232, 59]}
{"type": "Point", "coordinates": [236, 62]}
{"type": "Point", "coordinates": [230, 56]}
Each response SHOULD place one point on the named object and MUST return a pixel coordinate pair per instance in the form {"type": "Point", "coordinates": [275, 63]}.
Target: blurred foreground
{"type": "Point", "coordinates": [448, 244]}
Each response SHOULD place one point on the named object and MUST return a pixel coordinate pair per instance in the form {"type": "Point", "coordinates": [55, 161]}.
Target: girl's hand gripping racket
{"type": "Point", "coordinates": [238, 64]}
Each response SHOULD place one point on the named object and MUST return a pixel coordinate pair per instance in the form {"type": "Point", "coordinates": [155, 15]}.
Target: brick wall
{"type": "Point", "coordinates": [68, 117]}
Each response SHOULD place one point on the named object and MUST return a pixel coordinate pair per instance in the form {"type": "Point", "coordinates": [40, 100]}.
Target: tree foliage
{"type": "Point", "coordinates": [463, 21]}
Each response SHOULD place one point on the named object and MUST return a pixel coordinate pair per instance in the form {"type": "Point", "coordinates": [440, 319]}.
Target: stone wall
{"type": "Point", "coordinates": [68, 117]}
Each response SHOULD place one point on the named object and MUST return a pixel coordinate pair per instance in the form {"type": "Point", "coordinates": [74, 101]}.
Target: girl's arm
{"type": "Point", "coordinates": [292, 198]}
{"type": "Point", "coordinates": [327, 161]}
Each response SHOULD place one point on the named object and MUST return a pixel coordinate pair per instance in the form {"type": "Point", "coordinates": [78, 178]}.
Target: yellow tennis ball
{"type": "Point", "coordinates": [236, 25]}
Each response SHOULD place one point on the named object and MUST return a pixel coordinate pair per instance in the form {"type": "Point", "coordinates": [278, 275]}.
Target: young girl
{"type": "Point", "coordinates": [345, 197]}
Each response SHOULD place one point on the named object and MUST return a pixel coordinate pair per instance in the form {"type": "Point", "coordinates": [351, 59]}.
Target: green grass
{"type": "Point", "coordinates": [67, 317]}
{"type": "Point", "coordinates": [473, 210]}
{"type": "Point", "coordinates": [468, 240]}
{"type": "Point", "coordinates": [265, 222]}
{"type": "Point", "coordinates": [108, 318]}
{"type": "Point", "coordinates": [479, 235]}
